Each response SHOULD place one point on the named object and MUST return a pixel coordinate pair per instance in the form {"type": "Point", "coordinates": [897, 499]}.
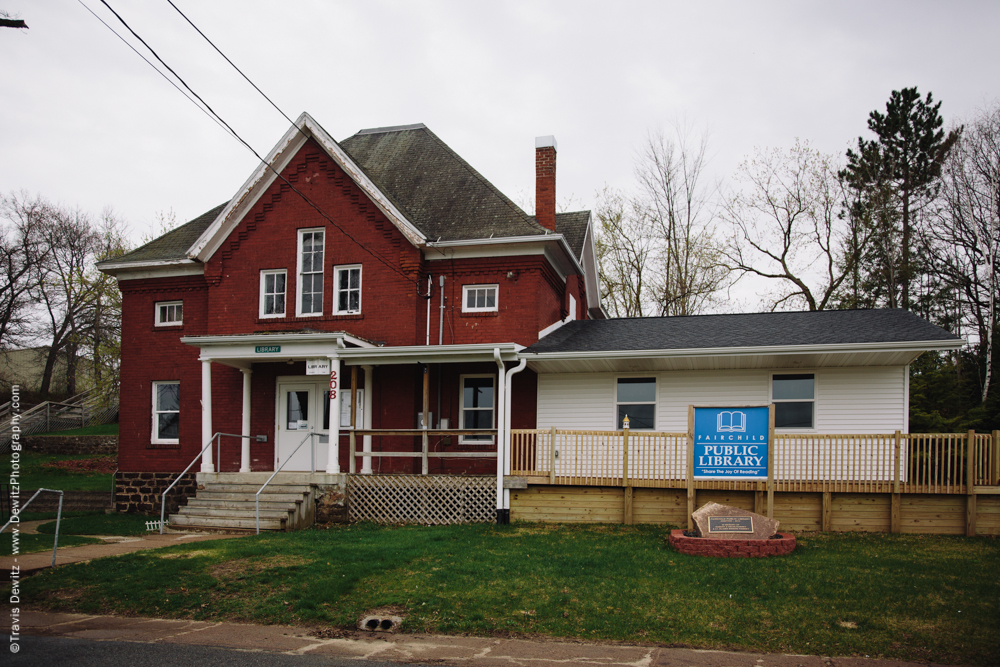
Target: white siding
{"type": "Point", "coordinates": [577, 400]}
{"type": "Point", "coordinates": [848, 400]}
{"type": "Point", "coordinates": [680, 389]}
{"type": "Point", "coordinates": [860, 400]}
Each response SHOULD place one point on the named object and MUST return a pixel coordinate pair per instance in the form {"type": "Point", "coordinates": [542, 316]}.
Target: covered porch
{"type": "Point", "coordinates": [416, 410]}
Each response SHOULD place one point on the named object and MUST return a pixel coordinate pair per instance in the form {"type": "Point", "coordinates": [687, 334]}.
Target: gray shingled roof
{"type": "Point", "coordinates": [175, 243]}
{"type": "Point", "coordinates": [827, 327]}
{"type": "Point", "coordinates": [427, 181]}
{"type": "Point", "coordinates": [574, 227]}
{"type": "Point", "coordinates": [434, 188]}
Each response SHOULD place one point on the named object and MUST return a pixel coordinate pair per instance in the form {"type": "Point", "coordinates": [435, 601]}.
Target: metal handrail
{"type": "Point", "coordinates": [163, 496]}
{"type": "Point", "coordinates": [312, 466]}
{"type": "Point", "coordinates": [55, 544]}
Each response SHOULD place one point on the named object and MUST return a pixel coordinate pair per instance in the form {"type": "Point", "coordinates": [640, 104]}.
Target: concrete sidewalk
{"type": "Point", "coordinates": [406, 648]}
{"type": "Point", "coordinates": [112, 546]}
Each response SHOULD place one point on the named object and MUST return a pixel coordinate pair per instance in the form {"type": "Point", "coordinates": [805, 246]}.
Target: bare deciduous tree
{"type": "Point", "coordinates": [965, 241]}
{"type": "Point", "coordinates": [625, 255]}
{"type": "Point", "coordinates": [23, 253]}
{"type": "Point", "coordinates": [656, 248]}
{"type": "Point", "coordinates": [787, 227]}
{"type": "Point", "coordinates": [679, 209]}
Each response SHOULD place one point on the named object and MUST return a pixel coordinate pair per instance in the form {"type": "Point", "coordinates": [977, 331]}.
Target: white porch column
{"type": "Point", "coordinates": [206, 415]}
{"type": "Point", "coordinates": [333, 453]}
{"type": "Point", "coordinates": [245, 452]}
{"type": "Point", "coordinates": [366, 464]}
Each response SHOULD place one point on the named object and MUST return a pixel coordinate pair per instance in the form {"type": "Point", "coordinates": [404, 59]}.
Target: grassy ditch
{"type": "Point", "coordinates": [83, 472]}
{"type": "Point", "coordinates": [892, 596]}
{"type": "Point", "coordinates": [99, 524]}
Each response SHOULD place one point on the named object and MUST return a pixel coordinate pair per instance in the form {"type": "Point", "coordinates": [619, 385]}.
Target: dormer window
{"type": "Point", "coordinates": [479, 298]}
{"type": "Point", "coordinates": [311, 245]}
{"type": "Point", "coordinates": [169, 313]}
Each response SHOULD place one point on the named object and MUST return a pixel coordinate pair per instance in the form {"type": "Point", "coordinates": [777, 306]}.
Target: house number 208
{"type": "Point", "coordinates": [333, 384]}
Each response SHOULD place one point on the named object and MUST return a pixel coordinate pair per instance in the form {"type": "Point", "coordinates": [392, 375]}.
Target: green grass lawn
{"type": "Point", "coordinates": [29, 544]}
{"type": "Point", "coordinates": [926, 598]}
{"type": "Point", "coordinates": [100, 429]}
{"type": "Point", "coordinates": [35, 476]}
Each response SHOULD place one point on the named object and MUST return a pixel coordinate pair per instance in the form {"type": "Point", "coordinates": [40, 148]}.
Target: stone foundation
{"type": "Point", "coordinates": [331, 504]}
{"type": "Point", "coordinates": [70, 444]}
{"type": "Point", "coordinates": [724, 548]}
{"type": "Point", "coordinates": [140, 492]}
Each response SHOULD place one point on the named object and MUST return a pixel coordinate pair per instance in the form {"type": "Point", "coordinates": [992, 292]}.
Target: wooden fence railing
{"type": "Point", "coordinates": [889, 463]}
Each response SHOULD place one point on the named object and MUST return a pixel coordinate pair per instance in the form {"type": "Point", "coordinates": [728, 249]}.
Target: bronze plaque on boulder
{"type": "Point", "coordinates": [730, 524]}
{"type": "Point", "coordinates": [715, 521]}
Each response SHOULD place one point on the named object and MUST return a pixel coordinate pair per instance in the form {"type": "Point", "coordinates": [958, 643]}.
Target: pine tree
{"type": "Point", "coordinates": [893, 177]}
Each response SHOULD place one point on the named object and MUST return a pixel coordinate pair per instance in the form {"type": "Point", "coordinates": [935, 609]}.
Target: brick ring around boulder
{"type": "Point", "coordinates": [779, 545]}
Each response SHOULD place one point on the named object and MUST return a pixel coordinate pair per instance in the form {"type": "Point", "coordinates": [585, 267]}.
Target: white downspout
{"type": "Point", "coordinates": [430, 296]}
{"type": "Point", "coordinates": [506, 448]}
{"type": "Point", "coordinates": [501, 416]}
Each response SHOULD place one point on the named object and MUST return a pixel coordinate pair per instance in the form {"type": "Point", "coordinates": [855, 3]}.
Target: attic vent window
{"type": "Point", "coordinates": [170, 313]}
{"type": "Point", "coordinates": [479, 298]}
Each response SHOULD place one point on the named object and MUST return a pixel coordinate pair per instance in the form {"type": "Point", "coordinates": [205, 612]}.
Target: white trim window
{"type": "Point", "coordinates": [272, 293]}
{"type": "Point", "coordinates": [347, 290]}
{"type": "Point", "coordinates": [636, 397]}
{"type": "Point", "coordinates": [310, 269]}
{"type": "Point", "coordinates": [477, 403]}
{"type": "Point", "coordinates": [794, 398]}
{"type": "Point", "coordinates": [479, 298]}
{"type": "Point", "coordinates": [166, 413]}
{"type": "Point", "coordinates": [169, 313]}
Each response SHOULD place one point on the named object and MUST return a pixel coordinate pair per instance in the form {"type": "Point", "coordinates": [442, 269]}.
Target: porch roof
{"type": "Point", "coordinates": [242, 350]}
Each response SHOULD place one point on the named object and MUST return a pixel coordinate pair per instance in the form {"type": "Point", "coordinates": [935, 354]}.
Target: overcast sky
{"type": "Point", "coordinates": [85, 122]}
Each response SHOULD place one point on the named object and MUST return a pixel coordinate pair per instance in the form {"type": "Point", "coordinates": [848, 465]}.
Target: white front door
{"type": "Point", "coordinates": [304, 408]}
{"type": "Point", "coordinates": [300, 413]}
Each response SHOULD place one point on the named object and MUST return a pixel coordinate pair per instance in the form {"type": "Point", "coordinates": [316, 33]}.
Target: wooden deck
{"type": "Point", "coordinates": [941, 482]}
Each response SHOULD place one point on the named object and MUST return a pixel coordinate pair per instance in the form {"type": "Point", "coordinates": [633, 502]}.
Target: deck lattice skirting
{"type": "Point", "coordinates": [422, 499]}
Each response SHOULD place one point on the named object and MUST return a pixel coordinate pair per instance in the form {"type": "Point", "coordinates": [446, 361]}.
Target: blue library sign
{"type": "Point", "coordinates": [730, 443]}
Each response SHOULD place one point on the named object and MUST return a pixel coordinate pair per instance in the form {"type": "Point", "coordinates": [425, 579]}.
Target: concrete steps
{"type": "Point", "coordinates": [226, 502]}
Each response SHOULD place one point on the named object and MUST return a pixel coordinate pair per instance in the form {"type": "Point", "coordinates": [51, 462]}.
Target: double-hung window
{"type": "Point", "coordinates": [311, 244]}
{"type": "Point", "coordinates": [479, 298]}
{"type": "Point", "coordinates": [272, 293]}
{"type": "Point", "coordinates": [636, 399]}
{"type": "Point", "coordinates": [166, 413]}
{"type": "Point", "coordinates": [169, 313]}
{"type": "Point", "coordinates": [347, 299]}
{"type": "Point", "coordinates": [477, 406]}
{"type": "Point", "coordinates": [794, 398]}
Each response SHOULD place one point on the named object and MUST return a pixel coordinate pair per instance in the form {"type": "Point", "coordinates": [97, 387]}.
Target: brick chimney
{"type": "Point", "coordinates": [545, 181]}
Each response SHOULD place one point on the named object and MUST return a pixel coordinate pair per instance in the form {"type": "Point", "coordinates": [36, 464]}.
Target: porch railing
{"type": "Point", "coordinates": [425, 452]}
{"type": "Point", "coordinates": [894, 462]}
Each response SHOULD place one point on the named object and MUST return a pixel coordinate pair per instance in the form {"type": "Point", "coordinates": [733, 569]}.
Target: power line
{"type": "Point", "coordinates": [170, 2]}
{"type": "Point", "coordinates": [155, 68]}
{"type": "Point", "coordinates": [304, 198]}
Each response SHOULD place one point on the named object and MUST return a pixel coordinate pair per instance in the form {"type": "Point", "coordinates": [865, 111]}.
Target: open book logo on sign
{"type": "Point", "coordinates": [732, 422]}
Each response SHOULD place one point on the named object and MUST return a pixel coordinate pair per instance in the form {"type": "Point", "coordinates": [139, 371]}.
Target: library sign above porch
{"type": "Point", "coordinates": [731, 443]}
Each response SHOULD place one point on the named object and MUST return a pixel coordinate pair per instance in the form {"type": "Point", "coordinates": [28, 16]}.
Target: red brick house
{"type": "Point", "coordinates": [386, 257]}
{"type": "Point", "coordinates": [384, 281]}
